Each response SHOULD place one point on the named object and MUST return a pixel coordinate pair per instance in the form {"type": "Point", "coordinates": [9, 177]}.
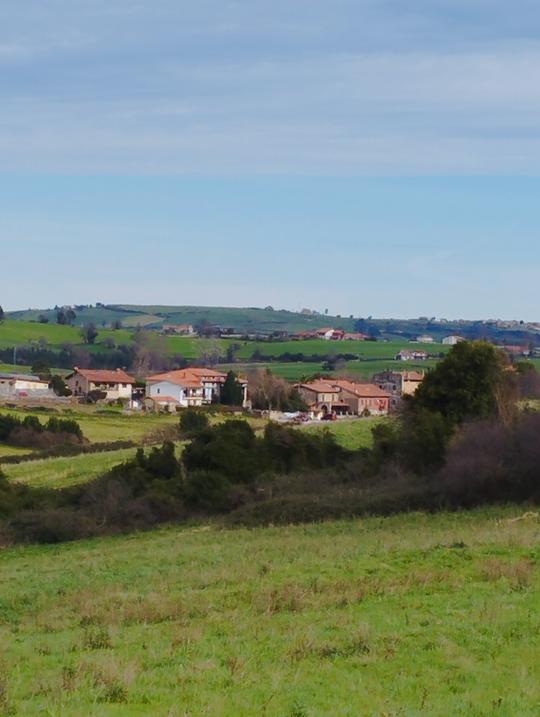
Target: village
{"type": "Point", "coordinates": [325, 398]}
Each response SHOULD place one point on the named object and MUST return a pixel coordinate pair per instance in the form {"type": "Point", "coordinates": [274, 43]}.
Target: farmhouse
{"type": "Point", "coordinates": [425, 339]}
{"type": "Point", "coordinates": [191, 386]}
{"type": "Point", "coordinates": [344, 397]}
{"type": "Point", "coordinates": [115, 384]}
{"type": "Point", "coordinates": [363, 397]}
{"type": "Point", "coordinates": [411, 355]}
{"type": "Point", "coordinates": [20, 385]}
{"type": "Point", "coordinates": [178, 329]}
{"type": "Point", "coordinates": [322, 397]}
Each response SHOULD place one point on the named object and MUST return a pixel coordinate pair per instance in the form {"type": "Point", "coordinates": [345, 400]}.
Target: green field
{"type": "Point", "coordinates": [352, 433]}
{"type": "Point", "coordinates": [410, 615]}
{"type": "Point", "coordinates": [23, 333]}
{"type": "Point", "coordinates": [63, 472]}
{"type": "Point", "coordinates": [108, 425]}
{"type": "Point", "coordinates": [367, 349]}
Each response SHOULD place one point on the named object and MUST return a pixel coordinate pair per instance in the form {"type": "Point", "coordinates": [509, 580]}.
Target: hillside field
{"type": "Point", "coordinates": [410, 615]}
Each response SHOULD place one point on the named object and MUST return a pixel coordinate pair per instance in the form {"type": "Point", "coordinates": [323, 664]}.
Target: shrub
{"type": "Point", "coordinates": [230, 448]}
{"type": "Point", "coordinates": [49, 526]}
{"type": "Point", "coordinates": [208, 490]}
{"type": "Point", "coordinates": [193, 421]}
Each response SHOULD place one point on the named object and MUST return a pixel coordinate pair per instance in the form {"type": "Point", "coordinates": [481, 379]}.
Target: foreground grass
{"type": "Point", "coordinates": [410, 615]}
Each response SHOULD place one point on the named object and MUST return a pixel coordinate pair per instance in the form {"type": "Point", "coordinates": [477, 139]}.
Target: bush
{"type": "Point", "coordinates": [193, 421]}
{"type": "Point", "coordinates": [491, 462]}
{"type": "Point", "coordinates": [50, 526]}
{"type": "Point", "coordinates": [208, 491]}
{"type": "Point", "coordinates": [230, 449]}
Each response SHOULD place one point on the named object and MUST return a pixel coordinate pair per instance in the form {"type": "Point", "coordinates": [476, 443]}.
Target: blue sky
{"type": "Point", "coordinates": [369, 156]}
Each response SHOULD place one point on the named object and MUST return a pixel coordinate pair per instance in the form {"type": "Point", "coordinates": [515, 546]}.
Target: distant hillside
{"type": "Point", "coordinates": [241, 319]}
{"type": "Point", "coordinates": [267, 320]}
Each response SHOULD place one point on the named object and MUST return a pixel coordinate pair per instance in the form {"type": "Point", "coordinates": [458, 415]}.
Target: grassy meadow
{"type": "Point", "coordinates": [104, 425]}
{"type": "Point", "coordinates": [351, 433]}
{"type": "Point", "coordinates": [411, 615]}
{"type": "Point", "coordinates": [65, 471]}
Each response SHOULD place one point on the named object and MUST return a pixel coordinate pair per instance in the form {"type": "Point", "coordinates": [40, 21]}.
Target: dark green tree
{"type": "Point", "coordinates": [232, 393]}
{"type": "Point", "coordinates": [89, 333]}
{"type": "Point", "coordinates": [473, 381]}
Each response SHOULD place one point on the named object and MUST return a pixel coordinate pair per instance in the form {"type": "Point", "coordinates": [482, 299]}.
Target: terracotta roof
{"type": "Point", "coordinates": [103, 376]}
{"type": "Point", "coordinates": [363, 390]}
{"type": "Point", "coordinates": [319, 387]}
{"type": "Point", "coordinates": [192, 377]}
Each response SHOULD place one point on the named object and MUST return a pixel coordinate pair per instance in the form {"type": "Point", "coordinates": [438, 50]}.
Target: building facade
{"type": "Point", "coordinates": [116, 384]}
{"type": "Point", "coordinates": [20, 385]}
{"type": "Point", "coordinates": [190, 387]}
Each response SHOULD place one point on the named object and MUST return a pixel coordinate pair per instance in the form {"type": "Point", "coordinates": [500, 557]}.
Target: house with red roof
{"type": "Point", "coordinates": [192, 386]}
{"type": "Point", "coordinates": [115, 384]}
{"type": "Point", "coordinates": [344, 397]}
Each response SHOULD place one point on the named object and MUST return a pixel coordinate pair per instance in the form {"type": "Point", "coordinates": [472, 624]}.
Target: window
{"type": "Point", "coordinates": [159, 390]}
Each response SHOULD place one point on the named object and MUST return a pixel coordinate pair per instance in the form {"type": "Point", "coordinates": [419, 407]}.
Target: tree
{"type": "Point", "coordinates": [2, 315]}
{"type": "Point", "coordinates": [70, 316]}
{"type": "Point", "coordinates": [61, 317]}
{"type": "Point", "coordinates": [473, 381]}
{"type": "Point", "coordinates": [230, 354]}
{"type": "Point", "coordinates": [210, 352]}
{"type": "Point", "coordinates": [59, 386]}
{"type": "Point", "coordinates": [43, 319]}
{"type": "Point", "coordinates": [232, 393]}
{"type": "Point", "coordinates": [89, 333]}
{"type": "Point", "coordinates": [41, 368]}
{"type": "Point", "coordinates": [192, 421]}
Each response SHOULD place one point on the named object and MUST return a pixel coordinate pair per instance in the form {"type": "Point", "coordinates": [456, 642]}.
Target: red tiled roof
{"type": "Point", "coordinates": [319, 387]}
{"type": "Point", "coordinates": [103, 376]}
{"type": "Point", "coordinates": [363, 390]}
{"type": "Point", "coordinates": [192, 377]}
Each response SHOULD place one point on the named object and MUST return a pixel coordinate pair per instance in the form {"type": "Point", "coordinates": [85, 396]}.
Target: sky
{"type": "Point", "coordinates": [372, 157]}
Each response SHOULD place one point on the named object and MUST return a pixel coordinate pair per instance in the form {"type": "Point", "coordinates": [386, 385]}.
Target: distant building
{"type": "Point", "coordinates": [178, 329]}
{"type": "Point", "coordinates": [354, 336]}
{"type": "Point", "coordinates": [115, 384]}
{"type": "Point", "coordinates": [322, 397]}
{"type": "Point", "coordinates": [516, 350]}
{"type": "Point", "coordinates": [424, 339]}
{"type": "Point", "coordinates": [20, 385]}
{"type": "Point", "coordinates": [343, 397]}
{"type": "Point", "coordinates": [452, 340]}
{"type": "Point", "coordinates": [398, 383]}
{"type": "Point", "coordinates": [411, 355]}
{"type": "Point", "coordinates": [191, 386]}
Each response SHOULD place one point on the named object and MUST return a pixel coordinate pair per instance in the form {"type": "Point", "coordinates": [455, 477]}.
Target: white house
{"type": "Point", "coordinates": [424, 339]}
{"type": "Point", "coordinates": [14, 385]}
{"type": "Point", "coordinates": [116, 384]}
{"type": "Point", "coordinates": [452, 340]}
{"type": "Point", "coordinates": [188, 387]}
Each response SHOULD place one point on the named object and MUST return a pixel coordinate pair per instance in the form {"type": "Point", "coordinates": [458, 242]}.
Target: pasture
{"type": "Point", "coordinates": [65, 471]}
{"type": "Point", "coordinates": [410, 615]}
